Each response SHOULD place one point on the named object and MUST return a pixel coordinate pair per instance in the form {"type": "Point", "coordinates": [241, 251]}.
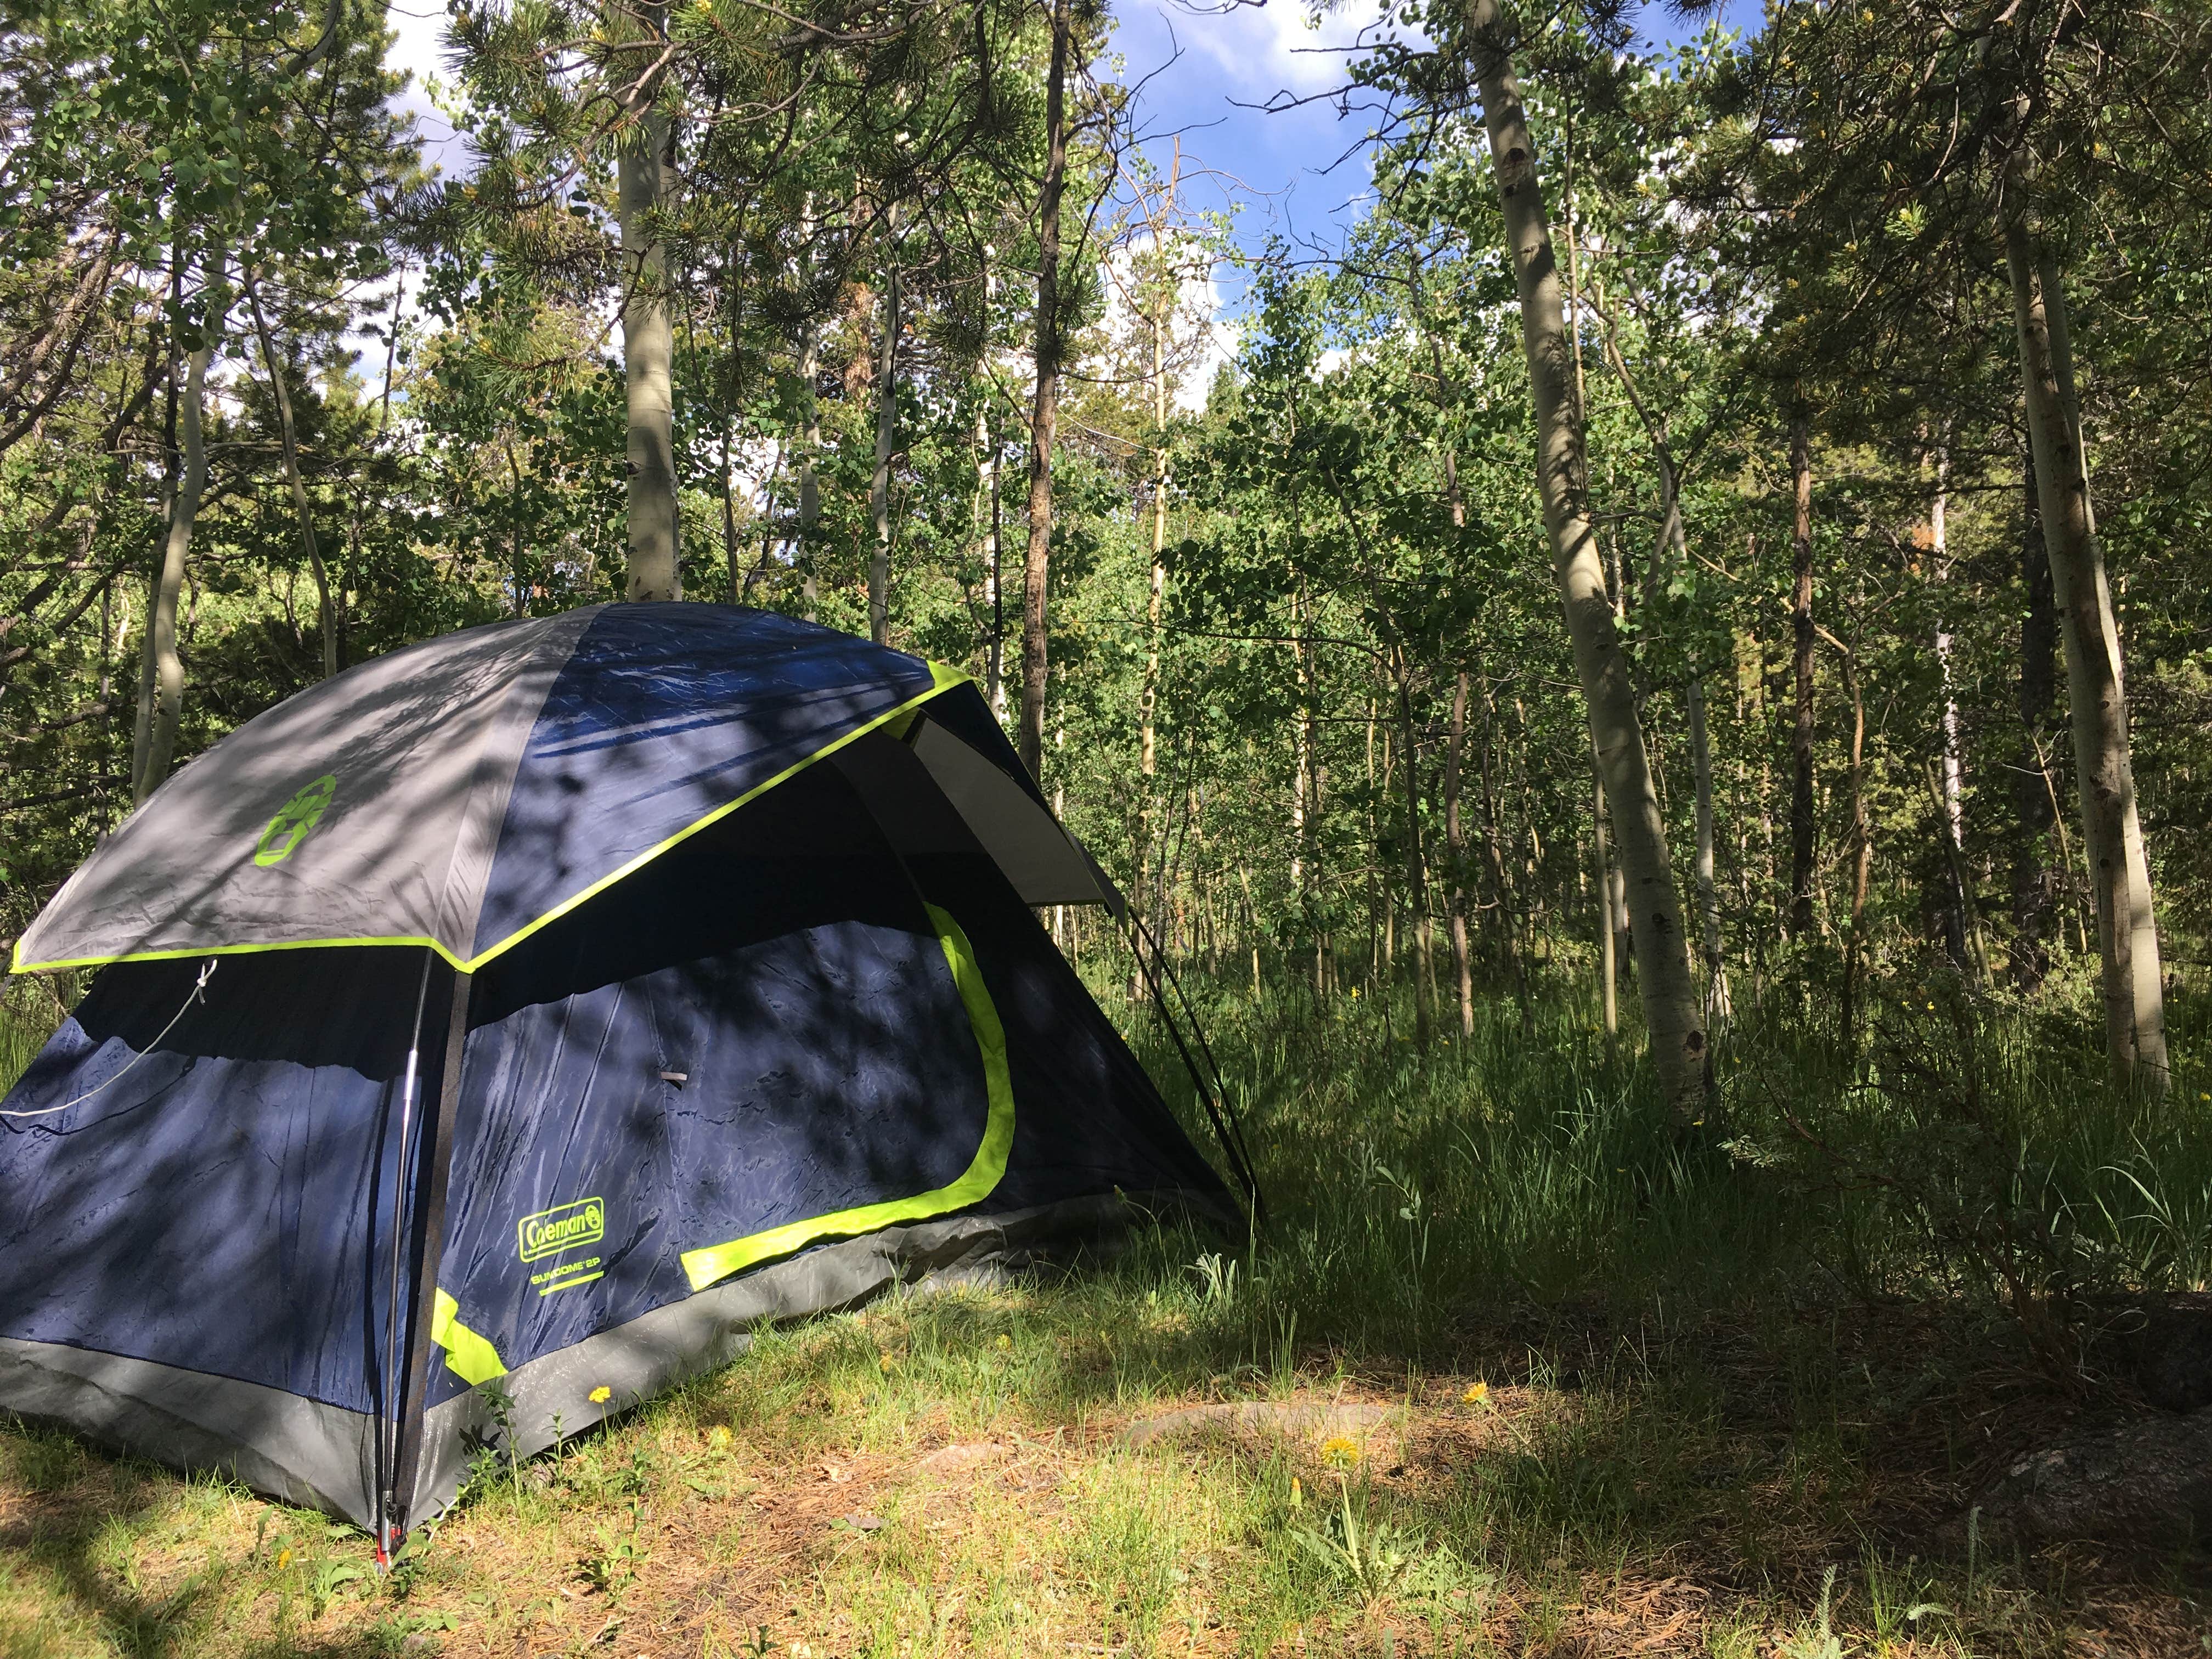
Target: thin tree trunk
{"type": "Point", "coordinates": [1954, 766]}
{"type": "Point", "coordinates": [2034, 798]}
{"type": "Point", "coordinates": [810, 489]}
{"type": "Point", "coordinates": [1149, 691]}
{"type": "Point", "coordinates": [165, 698]}
{"type": "Point", "coordinates": [1456, 850]}
{"type": "Point", "coordinates": [1862, 857]}
{"type": "Point", "coordinates": [1417, 899]}
{"type": "Point", "coordinates": [1802, 820]}
{"type": "Point", "coordinates": [879, 483]}
{"type": "Point", "coordinates": [1044, 415]}
{"type": "Point", "coordinates": [649, 344]}
{"type": "Point", "coordinates": [1669, 995]}
{"type": "Point", "coordinates": [1608, 968]}
{"type": "Point", "coordinates": [289, 435]}
{"type": "Point", "coordinates": [2127, 933]}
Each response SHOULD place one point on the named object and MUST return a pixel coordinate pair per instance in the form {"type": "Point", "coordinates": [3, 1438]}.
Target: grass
{"type": "Point", "coordinates": [1728, 1390]}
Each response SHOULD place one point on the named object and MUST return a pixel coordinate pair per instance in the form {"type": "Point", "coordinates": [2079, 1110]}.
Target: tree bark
{"type": "Point", "coordinates": [163, 692]}
{"type": "Point", "coordinates": [2127, 932]}
{"type": "Point", "coordinates": [1456, 851]}
{"type": "Point", "coordinates": [1417, 893]}
{"type": "Point", "coordinates": [1803, 825]}
{"type": "Point", "coordinates": [810, 489]}
{"type": "Point", "coordinates": [288, 434]}
{"type": "Point", "coordinates": [1149, 690]}
{"type": "Point", "coordinates": [1044, 413]}
{"type": "Point", "coordinates": [879, 483]}
{"type": "Point", "coordinates": [2034, 889]}
{"type": "Point", "coordinates": [1663, 980]}
{"type": "Point", "coordinates": [648, 345]}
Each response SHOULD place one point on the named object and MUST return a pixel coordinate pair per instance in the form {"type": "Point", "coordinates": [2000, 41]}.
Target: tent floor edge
{"type": "Point", "coordinates": [705, 1331]}
{"type": "Point", "coordinates": [297, 1450]}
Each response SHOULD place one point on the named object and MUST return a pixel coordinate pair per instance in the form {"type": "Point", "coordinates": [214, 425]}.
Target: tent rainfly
{"type": "Point", "coordinates": [541, 1006]}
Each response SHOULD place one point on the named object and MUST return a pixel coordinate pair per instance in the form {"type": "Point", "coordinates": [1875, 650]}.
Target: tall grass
{"type": "Point", "coordinates": [1970, 1153]}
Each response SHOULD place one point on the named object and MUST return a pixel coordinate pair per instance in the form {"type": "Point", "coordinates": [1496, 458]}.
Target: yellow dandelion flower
{"type": "Point", "coordinates": [1338, 1453]}
{"type": "Point", "coordinates": [283, 1559]}
{"type": "Point", "coordinates": [718, 1438]}
{"type": "Point", "coordinates": [1298, 1492]}
{"type": "Point", "coordinates": [1004, 1342]}
{"type": "Point", "coordinates": [885, 1365]}
{"type": "Point", "coordinates": [600, 1395]}
{"type": "Point", "coordinates": [1477, 1396]}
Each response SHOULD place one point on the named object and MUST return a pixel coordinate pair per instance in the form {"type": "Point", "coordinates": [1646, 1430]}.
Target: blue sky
{"type": "Point", "coordinates": [1230, 59]}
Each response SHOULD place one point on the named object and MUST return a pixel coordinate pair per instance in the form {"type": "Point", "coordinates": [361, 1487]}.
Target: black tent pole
{"type": "Point", "coordinates": [430, 1243]}
{"type": "Point", "coordinates": [387, 1432]}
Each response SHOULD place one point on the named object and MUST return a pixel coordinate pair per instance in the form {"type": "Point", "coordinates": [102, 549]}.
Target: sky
{"type": "Point", "coordinates": [1206, 69]}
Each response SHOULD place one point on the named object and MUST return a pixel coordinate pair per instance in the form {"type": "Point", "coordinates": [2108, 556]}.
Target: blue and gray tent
{"type": "Point", "coordinates": [542, 1006]}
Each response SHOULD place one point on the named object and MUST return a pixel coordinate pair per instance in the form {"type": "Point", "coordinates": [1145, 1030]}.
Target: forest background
{"type": "Point", "coordinates": [1698, 588]}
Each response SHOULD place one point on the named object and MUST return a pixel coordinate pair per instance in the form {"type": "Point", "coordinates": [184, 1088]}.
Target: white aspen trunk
{"type": "Point", "coordinates": [2127, 932]}
{"type": "Point", "coordinates": [326, 613]}
{"type": "Point", "coordinates": [164, 688]}
{"type": "Point", "coordinates": [1608, 969]}
{"type": "Point", "coordinates": [1455, 849]}
{"type": "Point", "coordinates": [1149, 690]}
{"type": "Point", "coordinates": [809, 487]}
{"type": "Point", "coordinates": [879, 483]}
{"type": "Point", "coordinates": [1417, 905]}
{"type": "Point", "coordinates": [1663, 980]}
{"type": "Point", "coordinates": [648, 341]}
{"type": "Point", "coordinates": [1045, 410]}
{"type": "Point", "coordinates": [648, 353]}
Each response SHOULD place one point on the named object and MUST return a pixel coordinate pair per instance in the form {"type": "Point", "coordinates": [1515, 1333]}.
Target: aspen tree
{"type": "Point", "coordinates": [648, 338]}
{"type": "Point", "coordinates": [1045, 409]}
{"type": "Point", "coordinates": [2119, 871]}
{"type": "Point", "coordinates": [1663, 981]}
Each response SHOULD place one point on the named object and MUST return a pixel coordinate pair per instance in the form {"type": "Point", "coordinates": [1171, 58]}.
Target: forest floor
{"type": "Point", "coordinates": [1580, 1386]}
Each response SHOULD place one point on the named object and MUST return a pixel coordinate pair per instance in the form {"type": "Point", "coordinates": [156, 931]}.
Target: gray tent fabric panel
{"type": "Point", "coordinates": [706, 1331]}
{"type": "Point", "coordinates": [300, 1451]}
{"type": "Point", "coordinates": [1040, 858]}
{"type": "Point", "coordinates": [411, 758]}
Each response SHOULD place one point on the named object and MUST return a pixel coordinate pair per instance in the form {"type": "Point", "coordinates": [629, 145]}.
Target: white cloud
{"type": "Point", "coordinates": [419, 48]}
{"type": "Point", "coordinates": [1277, 46]}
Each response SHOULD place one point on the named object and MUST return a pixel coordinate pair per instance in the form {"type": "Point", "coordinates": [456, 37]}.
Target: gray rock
{"type": "Point", "coordinates": [2145, 1484]}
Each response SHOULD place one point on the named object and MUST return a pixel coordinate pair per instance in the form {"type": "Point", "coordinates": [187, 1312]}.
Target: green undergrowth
{"type": "Point", "coordinates": [1646, 1383]}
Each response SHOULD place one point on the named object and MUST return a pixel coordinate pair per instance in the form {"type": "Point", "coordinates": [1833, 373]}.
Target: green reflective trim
{"type": "Point", "coordinates": [941, 680]}
{"type": "Point", "coordinates": [468, 1356]}
{"type": "Point", "coordinates": [718, 1261]}
{"type": "Point", "coordinates": [17, 965]}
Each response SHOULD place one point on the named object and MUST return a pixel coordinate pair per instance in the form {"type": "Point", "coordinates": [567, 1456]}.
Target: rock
{"type": "Point", "coordinates": [2147, 1483]}
{"type": "Point", "coordinates": [1316, 1419]}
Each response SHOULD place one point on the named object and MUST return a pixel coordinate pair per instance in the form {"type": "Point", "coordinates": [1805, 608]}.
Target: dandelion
{"type": "Point", "coordinates": [1298, 1492]}
{"type": "Point", "coordinates": [1477, 1396]}
{"type": "Point", "coordinates": [283, 1559]}
{"type": "Point", "coordinates": [1338, 1453]}
{"type": "Point", "coordinates": [718, 1438]}
{"type": "Point", "coordinates": [600, 1395]}
{"type": "Point", "coordinates": [1004, 1342]}
{"type": "Point", "coordinates": [885, 1365]}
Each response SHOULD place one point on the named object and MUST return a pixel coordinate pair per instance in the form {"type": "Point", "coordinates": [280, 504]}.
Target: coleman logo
{"type": "Point", "coordinates": [295, 821]}
{"type": "Point", "coordinates": [565, 1227]}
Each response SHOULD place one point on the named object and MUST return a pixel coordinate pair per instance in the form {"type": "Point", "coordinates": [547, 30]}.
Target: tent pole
{"type": "Point", "coordinates": [430, 1229]}
{"type": "Point", "coordinates": [388, 1434]}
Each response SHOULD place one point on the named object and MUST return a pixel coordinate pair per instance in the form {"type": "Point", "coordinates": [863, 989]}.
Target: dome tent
{"type": "Point", "coordinates": [541, 1006]}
